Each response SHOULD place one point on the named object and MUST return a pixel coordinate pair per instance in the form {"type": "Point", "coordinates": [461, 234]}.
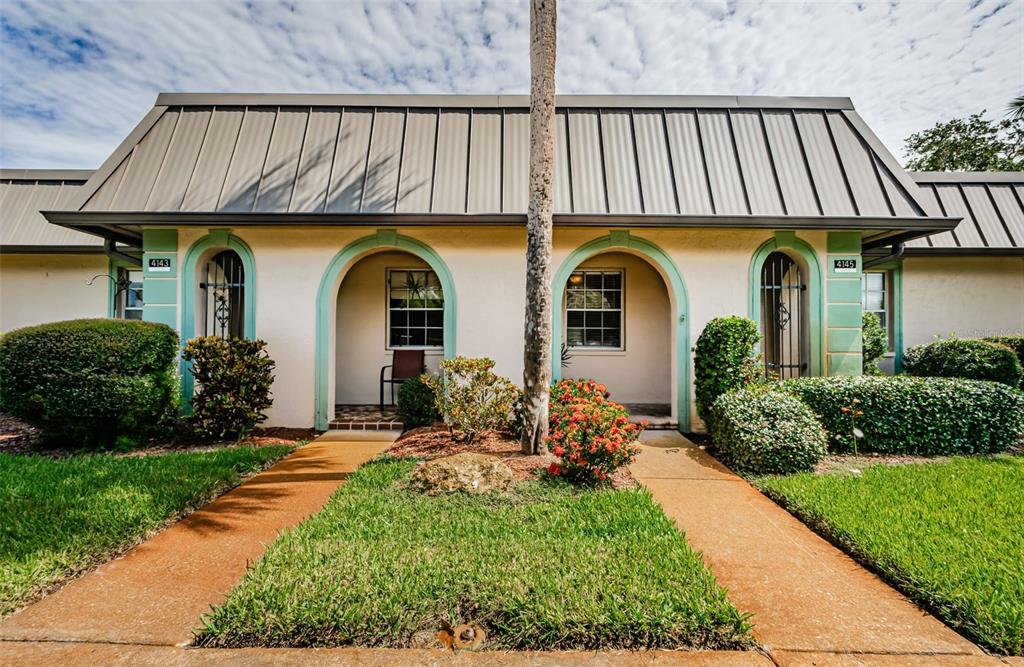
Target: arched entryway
{"type": "Point", "coordinates": [388, 277]}
{"type": "Point", "coordinates": [658, 292]}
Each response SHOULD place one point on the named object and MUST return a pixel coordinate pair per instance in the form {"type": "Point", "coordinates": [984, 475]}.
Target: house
{"type": "Point", "coordinates": [339, 228]}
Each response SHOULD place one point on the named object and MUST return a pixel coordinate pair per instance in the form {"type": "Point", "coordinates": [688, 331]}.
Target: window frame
{"type": "Point", "coordinates": [599, 349]}
{"type": "Point", "coordinates": [121, 306]}
{"type": "Point", "coordinates": [387, 310]}
{"type": "Point", "coordinates": [888, 305]}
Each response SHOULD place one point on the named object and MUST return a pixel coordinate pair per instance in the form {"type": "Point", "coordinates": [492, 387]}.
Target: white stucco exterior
{"type": "Point", "coordinates": [43, 288]}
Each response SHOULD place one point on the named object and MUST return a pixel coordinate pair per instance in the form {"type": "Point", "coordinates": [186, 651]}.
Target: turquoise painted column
{"type": "Point", "coordinates": [160, 276]}
{"type": "Point", "coordinates": [845, 273]}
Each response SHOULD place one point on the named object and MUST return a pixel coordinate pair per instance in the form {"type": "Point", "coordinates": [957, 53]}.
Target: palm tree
{"type": "Point", "coordinates": [1016, 108]}
{"type": "Point", "coordinates": [537, 348]}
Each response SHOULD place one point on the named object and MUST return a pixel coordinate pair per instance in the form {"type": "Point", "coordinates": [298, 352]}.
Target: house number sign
{"type": "Point", "coordinates": [844, 266]}
{"type": "Point", "coordinates": [159, 265]}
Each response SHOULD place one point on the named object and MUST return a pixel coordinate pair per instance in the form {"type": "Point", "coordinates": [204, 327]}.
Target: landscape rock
{"type": "Point", "coordinates": [468, 471]}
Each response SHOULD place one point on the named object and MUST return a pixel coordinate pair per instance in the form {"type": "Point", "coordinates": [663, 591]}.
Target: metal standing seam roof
{"type": "Point", "coordinates": [991, 205]}
{"type": "Point", "coordinates": [26, 192]}
{"type": "Point", "coordinates": [701, 161]}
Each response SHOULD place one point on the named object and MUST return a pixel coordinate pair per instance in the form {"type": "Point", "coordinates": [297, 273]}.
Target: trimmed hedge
{"type": "Point", "coordinates": [876, 343]}
{"type": "Point", "coordinates": [964, 358]}
{"type": "Point", "coordinates": [91, 381]}
{"type": "Point", "coordinates": [925, 416]}
{"type": "Point", "coordinates": [1015, 342]}
{"type": "Point", "coordinates": [763, 431]}
{"type": "Point", "coordinates": [417, 404]}
{"type": "Point", "coordinates": [723, 360]}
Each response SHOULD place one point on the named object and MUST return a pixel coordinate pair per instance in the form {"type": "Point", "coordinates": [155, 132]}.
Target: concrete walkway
{"type": "Point", "coordinates": [155, 594]}
{"type": "Point", "coordinates": [812, 604]}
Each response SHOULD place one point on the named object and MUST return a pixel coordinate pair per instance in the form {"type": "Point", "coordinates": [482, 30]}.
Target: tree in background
{"type": "Point", "coordinates": [1016, 108]}
{"type": "Point", "coordinates": [968, 144]}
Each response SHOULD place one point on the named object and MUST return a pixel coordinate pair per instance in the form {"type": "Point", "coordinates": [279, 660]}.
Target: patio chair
{"type": "Point", "coordinates": [405, 365]}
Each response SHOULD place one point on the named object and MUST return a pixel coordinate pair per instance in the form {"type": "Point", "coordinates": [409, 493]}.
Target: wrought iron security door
{"type": "Point", "coordinates": [782, 317]}
{"type": "Point", "coordinates": [223, 287]}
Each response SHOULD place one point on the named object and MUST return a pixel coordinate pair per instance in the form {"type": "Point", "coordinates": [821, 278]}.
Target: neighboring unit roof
{"type": "Point", "coordinates": [644, 160]}
{"type": "Point", "coordinates": [26, 192]}
{"type": "Point", "coordinates": [991, 205]}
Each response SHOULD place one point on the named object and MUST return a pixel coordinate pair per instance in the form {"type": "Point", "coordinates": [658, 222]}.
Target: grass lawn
{"type": "Point", "coordinates": [59, 517]}
{"type": "Point", "coordinates": [949, 535]}
{"type": "Point", "coordinates": [546, 567]}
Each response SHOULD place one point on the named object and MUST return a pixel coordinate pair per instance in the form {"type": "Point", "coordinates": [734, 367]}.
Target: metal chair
{"type": "Point", "coordinates": [405, 365]}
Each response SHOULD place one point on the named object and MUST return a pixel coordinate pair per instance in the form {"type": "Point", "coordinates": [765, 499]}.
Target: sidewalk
{"type": "Point", "coordinates": [812, 604]}
{"type": "Point", "coordinates": [156, 592]}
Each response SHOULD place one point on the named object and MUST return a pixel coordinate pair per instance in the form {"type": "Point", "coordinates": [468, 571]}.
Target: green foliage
{"type": "Point", "coordinates": [90, 381]}
{"type": "Point", "coordinates": [968, 144]}
{"type": "Point", "coordinates": [964, 358]}
{"type": "Point", "coordinates": [913, 415]}
{"type": "Point", "coordinates": [724, 360]}
{"type": "Point", "coordinates": [948, 535]}
{"type": "Point", "coordinates": [1013, 341]}
{"type": "Point", "coordinates": [876, 343]}
{"type": "Point", "coordinates": [417, 404]}
{"type": "Point", "coordinates": [762, 431]}
{"type": "Point", "coordinates": [61, 517]}
{"type": "Point", "coordinates": [472, 398]}
{"type": "Point", "coordinates": [233, 378]}
{"type": "Point", "coordinates": [549, 566]}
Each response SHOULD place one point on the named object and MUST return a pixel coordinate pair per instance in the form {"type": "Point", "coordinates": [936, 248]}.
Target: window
{"type": "Point", "coordinates": [223, 286]}
{"type": "Point", "coordinates": [784, 342]}
{"type": "Point", "coordinates": [593, 309]}
{"type": "Point", "coordinates": [415, 308]}
{"type": "Point", "coordinates": [129, 294]}
{"type": "Point", "coordinates": [876, 298]}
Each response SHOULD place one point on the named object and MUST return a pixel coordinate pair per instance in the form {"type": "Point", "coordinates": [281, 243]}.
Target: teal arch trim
{"type": "Point", "coordinates": [217, 239]}
{"type": "Point", "coordinates": [327, 296]}
{"type": "Point", "coordinates": [680, 304]}
{"type": "Point", "coordinates": [788, 242]}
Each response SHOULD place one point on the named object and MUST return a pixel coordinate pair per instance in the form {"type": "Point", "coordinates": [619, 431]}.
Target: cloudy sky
{"type": "Point", "coordinates": [75, 77]}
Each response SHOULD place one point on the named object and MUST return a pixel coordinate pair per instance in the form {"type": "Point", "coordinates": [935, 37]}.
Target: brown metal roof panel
{"type": "Point", "coordinates": [180, 162]}
{"type": "Point", "coordinates": [727, 188]}
{"type": "Point", "coordinates": [1012, 211]}
{"type": "Point", "coordinates": [653, 160]}
{"type": "Point", "coordinates": [858, 164]}
{"type": "Point", "coordinates": [515, 162]}
{"type": "Point", "coordinates": [144, 165]}
{"type": "Point", "coordinates": [756, 164]}
{"type": "Point", "coordinates": [824, 164]}
{"type": "Point", "coordinates": [620, 162]}
{"type": "Point", "coordinates": [314, 171]}
{"type": "Point", "coordinates": [281, 165]}
{"type": "Point", "coordinates": [450, 175]}
{"type": "Point", "coordinates": [102, 198]}
{"type": "Point", "coordinates": [966, 233]}
{"type": "Point", "coordinates": [787, 156]}
{"type": "Point", "coordinates": [688, 163]}
{"type": "Point", "coordinates": [243, 177]}
{"type": "Point", "coordinates": [562, 174]}
{"type": "Point", "coordinates": [417, 161]}
{"type": "Point", "coordinates": [20, 220]}
{"type": "Point", "coordinates": [381, 188]}
{"type": "Point", "coordinates": [485, 148]}
{"type": "Point", "coordinates": [985, 215]}
{"type": "Point", "coordinates": [203, 190]}
{"type": "Point", "coordinates": [349, 170]}
{"type": "Point", "coordinates": [587, 169]}
{"type": "Point", "coordinates": [902, 204]}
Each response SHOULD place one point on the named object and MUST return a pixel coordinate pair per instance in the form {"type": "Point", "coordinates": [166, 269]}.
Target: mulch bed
{"type": "Point", "coordinates": [850, 464]}
{"type": "Point", "coordinates": [431, 442]}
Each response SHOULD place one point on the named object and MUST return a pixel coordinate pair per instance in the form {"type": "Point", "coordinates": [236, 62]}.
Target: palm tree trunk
{"type": "Point", "coordinates": [537, 349]}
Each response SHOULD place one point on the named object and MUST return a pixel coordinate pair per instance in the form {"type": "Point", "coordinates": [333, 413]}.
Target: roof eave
{"type": "Point", "coordinates": [963, 252]}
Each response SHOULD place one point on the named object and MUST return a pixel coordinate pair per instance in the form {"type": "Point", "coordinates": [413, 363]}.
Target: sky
{"type": "Point", "coordinates": [76, 77]}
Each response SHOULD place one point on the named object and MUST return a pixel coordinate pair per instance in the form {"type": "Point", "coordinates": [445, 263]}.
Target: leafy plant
{"type": "Point", "coordinates": [759, 430]}
{"type": "Point", "coordinates": [724, 360]}
{"type": "Point", "coordinates": [417, 403]}
{"type": "Point", "coordinates": [916, 415]}
{"type": "Point", "coordinates": [233, 378]}
{"type": "Point", "coordinates": [965, 358]}
{"type": "Point", "coordinates": [968, 144]}
{"type": "Point", "coordinates": [471, 398]}
{"type": "Point", "coordinates": [89, 382]}
{"type": "Point", "coordinates": [1013, 341]}
{"type": "Point", "coordinates": [876, 343]}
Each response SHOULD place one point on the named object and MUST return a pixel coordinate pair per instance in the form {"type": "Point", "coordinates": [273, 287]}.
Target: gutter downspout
{"type": "Point", "coordinates": [110, 248]}
{"type": "Point", "coordinates": [897, 253]}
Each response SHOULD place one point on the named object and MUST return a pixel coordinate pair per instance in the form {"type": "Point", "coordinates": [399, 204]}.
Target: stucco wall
{"type": "Point", "coordinates": [45, 288]}
{"type": "Point", "coordinates": [970, 296]}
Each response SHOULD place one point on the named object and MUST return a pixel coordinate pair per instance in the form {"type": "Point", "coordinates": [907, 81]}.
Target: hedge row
{"type": "Point", "coordinates": [965, 358]}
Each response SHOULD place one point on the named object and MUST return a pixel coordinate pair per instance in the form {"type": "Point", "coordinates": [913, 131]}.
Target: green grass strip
{"type": "Point", "coordinates": [59, 517]}
{"type": "Point", "coordinates": [549, 566]}
{"type": "Point", "coordinates": [949, 535]}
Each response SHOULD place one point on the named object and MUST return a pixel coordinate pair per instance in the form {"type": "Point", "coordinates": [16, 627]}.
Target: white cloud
{"type": "Point", "coordinates": [75, 77]}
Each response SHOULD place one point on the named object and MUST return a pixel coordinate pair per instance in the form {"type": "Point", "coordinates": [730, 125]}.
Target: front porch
{"type": "Point", "coordinates": [365, 418]}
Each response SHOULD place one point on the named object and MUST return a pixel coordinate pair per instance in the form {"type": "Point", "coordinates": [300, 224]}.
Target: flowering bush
{"type": "Point", "coordinates": [590, 434]}
{"type": "Point", "coordinates": [471, 397]}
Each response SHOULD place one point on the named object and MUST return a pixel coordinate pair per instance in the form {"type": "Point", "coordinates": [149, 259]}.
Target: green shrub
{"type": "Point", "coordinates": [724, 360]}
{"type": "Point", "coordinates": [233, 378]}
{"type": "Point", "coordinates": [876, 343]}
{"type": "Point", "coordinates": [472, 398]}
{"type": "Point", "coordinates": [90, 381]}
{"type": "Point", "coordinates": [964, 358]}
{"type": "Point", "coordinates": [912, 415]}
{"type": "Point", "coordinates": [762, 431]}
{"type": "Point", "coordinates": [1014, 342]}
{"type": "Point", "coordinates": [417, 403]}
